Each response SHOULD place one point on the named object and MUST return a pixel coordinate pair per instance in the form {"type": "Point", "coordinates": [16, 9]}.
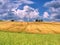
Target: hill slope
{"type": "Point", "coordinates": [31, 27]}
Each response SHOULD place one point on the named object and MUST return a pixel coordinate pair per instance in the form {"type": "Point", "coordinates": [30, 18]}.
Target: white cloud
{"type": "Point", "coordinates": [27, 1]}
{"type": "Point", "coordinates": [27, 12]}
{"type": "Point", "coordinates": [14, 4]}
{"type": "Point", "coordinates": [28, 8]}
{"type": "Point", "coordinates": [9, 9]}
{"type": "Point", "coordinates": [54, 9]}
{"type": "Point", "coordinates": [53, 3]}
{"type": "Point", "coordinates": [45, 15]}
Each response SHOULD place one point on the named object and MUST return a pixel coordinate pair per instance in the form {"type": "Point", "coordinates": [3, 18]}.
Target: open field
{"type": "Point", "coordinates": [31, 27]}
{"type": "Point", "coordinates": [9, 38]}
{"type": "Point", "coordinates": [20, 33]}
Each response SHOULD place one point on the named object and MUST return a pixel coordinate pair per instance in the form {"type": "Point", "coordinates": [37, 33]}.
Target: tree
{"type": "Point", "coordinates": [38, 20]}
{"type": "Point", "coordinates": [12, 20]}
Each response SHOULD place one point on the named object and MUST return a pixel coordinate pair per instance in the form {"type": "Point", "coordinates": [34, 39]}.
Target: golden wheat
{"type": "Point", "coordinates": [31, 27]}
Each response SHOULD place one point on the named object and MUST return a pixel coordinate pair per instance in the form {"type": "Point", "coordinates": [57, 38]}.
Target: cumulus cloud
{"type": "Point", "coordinates": [54, 9]}
{"type": "Point", "coordinates": [45, 15]}
{"type": "Point", "coordinates": [28, 12]}
{"type": "Point", "coordinates": [9, 10]}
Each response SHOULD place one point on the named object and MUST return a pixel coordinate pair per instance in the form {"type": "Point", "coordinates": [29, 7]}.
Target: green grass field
{"type": "Point", "coordinates": [9, 38]}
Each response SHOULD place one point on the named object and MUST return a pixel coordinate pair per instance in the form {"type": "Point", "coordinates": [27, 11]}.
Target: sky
{"type": "Point", "coordinates": [30, 10]}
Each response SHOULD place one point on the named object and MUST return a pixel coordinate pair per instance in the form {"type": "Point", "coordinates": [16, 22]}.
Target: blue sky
{"type": "Point", "coordinates": [40, 5]}
{"type": "Point", "coordinates": [29, 10]}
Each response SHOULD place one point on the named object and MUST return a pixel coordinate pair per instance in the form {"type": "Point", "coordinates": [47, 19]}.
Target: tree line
{"type": "Point", "coordinates": [37, 20]}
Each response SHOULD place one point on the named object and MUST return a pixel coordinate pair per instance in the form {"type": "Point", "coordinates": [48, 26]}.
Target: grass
{"type": "Point", "coordinates": [9, 38]}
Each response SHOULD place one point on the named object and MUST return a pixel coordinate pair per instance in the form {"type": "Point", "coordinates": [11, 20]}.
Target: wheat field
{"type": "Point", "coordinates": [29, 33]}
{"type": "Point", "coordinates": [31, 27]}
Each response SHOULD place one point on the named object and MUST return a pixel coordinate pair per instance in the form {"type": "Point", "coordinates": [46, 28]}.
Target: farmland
{"type": "Point", "coordinates": [9, 38]}
{"type": "Point", "coordinates": [31, 27]}
{"type": "Point", "coordinates": [29, 33]}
